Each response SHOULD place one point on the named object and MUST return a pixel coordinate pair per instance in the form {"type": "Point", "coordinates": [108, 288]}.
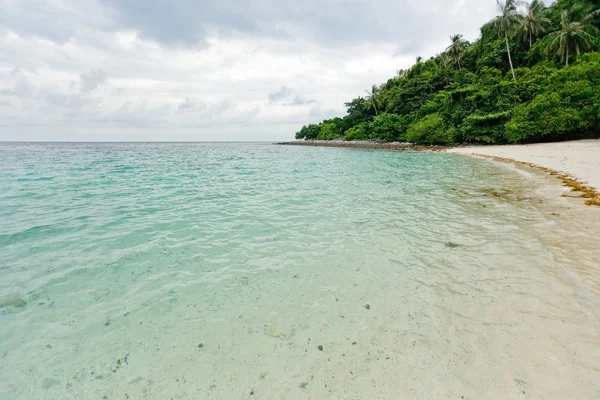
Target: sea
{"type": "Point", "coordinates": [259, 271]}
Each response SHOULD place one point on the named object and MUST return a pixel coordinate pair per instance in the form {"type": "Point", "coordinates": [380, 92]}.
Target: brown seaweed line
{"type": "Point", "coordinates": [586, 192]}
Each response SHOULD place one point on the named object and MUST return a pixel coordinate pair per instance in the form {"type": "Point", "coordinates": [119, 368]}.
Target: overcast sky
{"type": "Point", "coordinates": [85, 70]}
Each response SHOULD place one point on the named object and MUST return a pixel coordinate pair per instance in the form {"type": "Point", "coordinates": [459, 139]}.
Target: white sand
{"type": "Point", "coordinates": [574, 228]}
{"type": "Point", "coordinates": [579, 158]}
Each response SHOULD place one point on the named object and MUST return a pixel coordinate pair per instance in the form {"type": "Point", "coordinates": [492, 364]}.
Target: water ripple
{"type": "Point", "coordinates": [120, 260]}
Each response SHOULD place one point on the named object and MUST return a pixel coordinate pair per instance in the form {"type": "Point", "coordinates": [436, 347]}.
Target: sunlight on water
{"type": "Point", "coordinates": [237, 271]}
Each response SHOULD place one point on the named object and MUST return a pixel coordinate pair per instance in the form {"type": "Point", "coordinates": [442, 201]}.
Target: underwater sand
{"type": "Point", "coordinates": [253, 271]}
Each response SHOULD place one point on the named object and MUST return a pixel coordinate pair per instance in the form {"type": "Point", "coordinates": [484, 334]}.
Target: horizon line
{"type": "Point", "coordinates": [139, 141]}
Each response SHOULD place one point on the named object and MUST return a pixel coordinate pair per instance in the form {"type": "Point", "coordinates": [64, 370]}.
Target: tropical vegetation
{"type": "Point", "coordinates": [533, 75]}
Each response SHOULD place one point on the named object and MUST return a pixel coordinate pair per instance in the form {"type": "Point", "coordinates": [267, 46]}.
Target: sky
{"type": "Point", "coordinates": [206, 70]}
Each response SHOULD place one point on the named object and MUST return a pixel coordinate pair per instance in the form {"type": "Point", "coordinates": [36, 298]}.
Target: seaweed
{"type": "Point", "coordinates": [577, 186]}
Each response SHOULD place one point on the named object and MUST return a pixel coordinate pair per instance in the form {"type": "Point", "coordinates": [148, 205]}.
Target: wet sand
{"type": "Point", "coordinates": [574, 228]}
{"type": "Point", "coordinates": [580, 158]}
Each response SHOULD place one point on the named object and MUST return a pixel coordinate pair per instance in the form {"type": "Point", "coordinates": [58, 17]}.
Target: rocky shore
{"type": "Point", "coordinates": [364, 145]}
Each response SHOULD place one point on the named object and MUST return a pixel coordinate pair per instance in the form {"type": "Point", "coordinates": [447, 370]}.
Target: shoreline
{"type": "Point", "coordinates": [396, 146]}
{"type": "Point", "coordinates": [575, 163]}
{"type": "Point", "coordinates": [572, 228]}
{"type": "Point", "coordinates": [565, 177]}
{"type": "Point", "coordinates": [558, 172]}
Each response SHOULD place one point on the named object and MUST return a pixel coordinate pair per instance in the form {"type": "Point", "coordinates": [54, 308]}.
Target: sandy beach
{"type": "Point", "coordinates": [579, 158]}
{"type": "Point", "coordinates": [573, 229]}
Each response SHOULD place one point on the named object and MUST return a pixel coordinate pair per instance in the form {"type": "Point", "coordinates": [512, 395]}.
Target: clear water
{"type": "Point", "coordinates": [217, 270]}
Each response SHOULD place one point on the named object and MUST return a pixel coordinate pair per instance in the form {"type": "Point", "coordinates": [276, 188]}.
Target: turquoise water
{"type": "Point", "coordinates": [216, 270]}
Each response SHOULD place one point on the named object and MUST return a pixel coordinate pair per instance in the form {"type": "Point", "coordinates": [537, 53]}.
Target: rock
{"type": "Point", "coordinates": [368, 306]}
{"type": "Point", "coordinates": [320, 347]}
{"type": "Point", "coordinates": [452, 245]}
{"type": "Point", "coordinates": [201, 346]}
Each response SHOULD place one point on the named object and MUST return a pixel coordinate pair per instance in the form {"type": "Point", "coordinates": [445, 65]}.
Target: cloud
{"type": "Point", "coordinates": [299, 101]}
{"type": "Point", "coordinates": [200, 70]}
{"type": "Point", "coordinates": [192, 23]}
{"type": "Point", "coordinates": [207, 110]}
{"type": "Point", "coordinates": [56, 21]}
{"type": "Point", "coordinates": [92, 80]}
{"type": "Point", "coordinates": [187, 104]}
{"type": "Point", "coordinates": [280, 94]}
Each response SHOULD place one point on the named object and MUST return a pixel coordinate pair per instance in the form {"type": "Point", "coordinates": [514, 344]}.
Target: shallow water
{"type": "Point", "coordinates": [217, 270]}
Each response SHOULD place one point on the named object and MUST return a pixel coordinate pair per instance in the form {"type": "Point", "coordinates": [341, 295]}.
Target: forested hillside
{"type": "Point", "coordinates": [533, 75]}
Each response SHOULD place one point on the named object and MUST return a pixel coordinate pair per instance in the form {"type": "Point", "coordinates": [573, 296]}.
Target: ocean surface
{"type": "Point", "coordinates": [256, 271]}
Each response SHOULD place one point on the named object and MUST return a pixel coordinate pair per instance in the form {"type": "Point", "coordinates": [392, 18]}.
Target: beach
{"type": "Point", "coordinates": [574, 228]}
{"type": "Point", "coordinates": [580, 158]}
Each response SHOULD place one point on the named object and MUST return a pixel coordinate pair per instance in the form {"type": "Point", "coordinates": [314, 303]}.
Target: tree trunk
{"type": "Point", "coordinates": [509, 57]}
{"type": "Point", "coordinates": [530, 40]}
{"type": "Point", "coordinates": [567, 54]}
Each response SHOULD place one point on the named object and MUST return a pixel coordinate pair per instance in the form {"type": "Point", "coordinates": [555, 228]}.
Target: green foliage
{"type": "Point", "coordinates": [430, 130]}
{"type": "Point", "coordinates": [456, 50]}
{"type": "Point", "coordinates": [534, 22]}
{"type": "Point", "coordinates": [357, 112]}
{"type": "Point", "coordinates": [568, 103]}
{"type": "Point", "coordinates": [328, 131]}
{"type": "Point", "coordinates": [388, 127]}
{"type": "Point", "coordinates": [576, 34]}
{"type": "Point", "coordinates": [373, 101]}
{"type": "Point", "coordinates": [546, 117]}
{"type": "Point", "coordinates": [507, 24]}
{"type": "Point", "coordinates": [361, 131]}
{"type": "Point", "coordinates": [488, 128]}
{"type": "Point", "coordinates": [309, 132]}
{"type": "Point", "coordinates": [468, 93]}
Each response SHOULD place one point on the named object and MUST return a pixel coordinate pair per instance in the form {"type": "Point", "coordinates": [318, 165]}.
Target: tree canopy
{"type": "Point", "coordinates": [533, 75]}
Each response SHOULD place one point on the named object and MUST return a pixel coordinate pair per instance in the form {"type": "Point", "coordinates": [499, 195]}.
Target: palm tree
{"type": "Point", "coordinates": [455, 51]}
{"type": "Point", "coordinates": [373, 98]}
{"type": "Point", "coordinates": [534, 21]}
{"type": "Point", "coordinates": [573, 35]}
{"type": "Point", "coordinates": [584, 11]}
{"type": "Point", "coordinates": [401, 73]}
{"type": "Point", "coordinates": [507, 24]}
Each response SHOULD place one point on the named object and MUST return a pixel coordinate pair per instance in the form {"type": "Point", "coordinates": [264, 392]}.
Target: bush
{"type": "Point", "coordinates": [361, 131]}
{"type": "Point", "coordinates": [328, 132]}
{"type": "Point", "coordinates": [430, 130]}
{"type": "Point", "coordinates": [487, 128]}
{"type": "Point", "coordinates": [387, 127]}
{"type": "Point", "coordinates": [546, 117]}
{"type": "Point", "coordinates": [309, 132]}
